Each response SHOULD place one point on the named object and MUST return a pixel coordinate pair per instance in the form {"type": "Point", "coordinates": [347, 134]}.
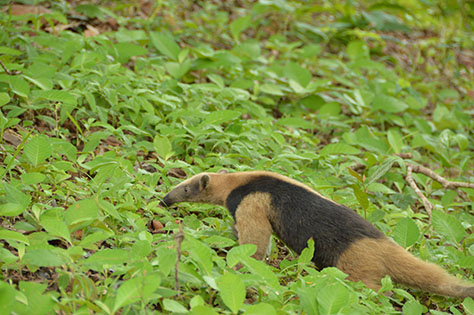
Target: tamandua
{"type": "Point", "coordinates": [264, 202]}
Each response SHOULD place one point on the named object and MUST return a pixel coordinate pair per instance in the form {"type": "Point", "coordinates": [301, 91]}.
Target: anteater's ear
{"type": "Point", "coordinates": [204, 181]}
{"type": "Point", "coordinates": [223, 171]}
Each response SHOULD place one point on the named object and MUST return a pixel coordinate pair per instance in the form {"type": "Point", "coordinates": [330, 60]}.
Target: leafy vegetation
{"type": "Point", "coordinates": [104, 107]}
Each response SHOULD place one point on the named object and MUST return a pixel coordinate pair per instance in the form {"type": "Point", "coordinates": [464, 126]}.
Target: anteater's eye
{"type": "Point", "coordinates": [186, 189]}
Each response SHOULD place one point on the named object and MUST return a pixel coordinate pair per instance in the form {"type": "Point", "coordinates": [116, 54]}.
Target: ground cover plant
{"type": "Point", "coordinates": [106, 105]}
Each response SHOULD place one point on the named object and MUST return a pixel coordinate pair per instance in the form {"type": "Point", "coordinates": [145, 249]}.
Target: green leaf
{"type": "Point", "coordinates": [166, 259]}
{"type": "Point", "coordinates": [200, 253]}
{"type": "Point", "coordinates": [65, 148]}
{"type": "Point", "coordinates": [82, 211]}
{"type": "Point", "coordinates": [238, 253]}
{"type": "Point", "coordinates": [272, 89]}
{"type": "Point", "coordinates": [380, 170]}
{"type": "Point", "coordinates": [468, 305]}
{"type": "Point", "coordinates": [108, 257]}
{"type": "Point", "coordinates": [4, 98]}
{"type": "Point", "coordinates": [7, 298]}
{"type": "Point", "coordinates": [135, 289]}
{"type": "Point", "coordinates": [174, 307]}
{"type": "Point", "coordinates": [165, 44]}
{"type": "Point", "coordinates": [19, 85]}
{"type": "Point", "coordinates": [358, 49]}
{"type": "Point", "coordinates": [306, 255]}
{"type": "Point", "coordinates": [331, 109]}
{"type": "Point", "coordinates": [57, 96]}
{"type": "Point", "coordinates": [448, 226]}
{"type": "Point", "coordinates": [395, 140]}
{"type": "Point", "coordinates": [388, 104]}
{"type": "Point", "coordinates": [163, 147]}
{"type": "Point", "coordinates": [177, 70]}
{"type": "Point", "coordinates": [308, 301]}
{"type": "Point", "coordinates": [239, 25]}
{"type": "Point", "coordinates": [7, 257]}
{"type": "Point", "coordinates": [38, 149]}
{"type": "Point", "coordinates": [43, 257]}
{"type": "Point", "coordinates": [203, 310]}
{"type": "Point", "coordinates": [10, 209]}
{"type": "Point", "coordinates": [32, 178]}
{"type": "Point", "coordinates": [94, 238]}
{"type": "Point", "coordinates": [297, 73]}
{"type": "Point", "coordinates": [361, 196]}
{"type": "Point", "coordinates": [13, 236]}
{"type": "Point", "coordinates": [378, 187]}
{"type": "Point", "coordinates": [55, 226]}
{"type": "Point", "coordinates": [261, 270]}
{"type": "Point", "coordinates": [38, 301]}
{"type": "Point", "coordinates": [365, 138]}
{"type": "Point", "coordinates": [466, 262]}
{"type": "Point", "coordinates": [10, 51]}
{"type": "Point", "coordinates": [296, 123]}
{"type": "Point", "coordinates": [90, 10]}
{"type": "Point", "coordinates": [444, 117]}
{"type": "Point", "coordinates": [260, 308]}
{"type": "Point", "coordinates": [42, 83]}
{"type": "Point", "coordinates": [333, 298]}
{"type": "Point", "coordinates": [339, 148]}
{"type": "Point", "coordinates": [127, 50]}
{"type": "Point", "coordinates": [221, 116]}
{"type": "Point", "coordinates": [406, 232]}
{"type": "Point", "coordinates": [16, 201]}
{"type": "Point", "coordinates": [413, 308]}
{"type": "Point", "coordinates": [232, 291]}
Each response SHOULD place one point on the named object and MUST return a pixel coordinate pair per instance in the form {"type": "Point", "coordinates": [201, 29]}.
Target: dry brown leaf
{"type": "Point", "coordinates": [12, 137]}
{"type": "Point", "coordinates": [91, 31]}
{"type": "Point", "coordinates": [23, 9]}
{"type": "Point", "coordinates": [176, 172]}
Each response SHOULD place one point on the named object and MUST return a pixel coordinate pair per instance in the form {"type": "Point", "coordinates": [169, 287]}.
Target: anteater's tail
{"type": "Point", "coordinates": [405, 268]}
{"type": "Point", "coordinates": [370, 259]}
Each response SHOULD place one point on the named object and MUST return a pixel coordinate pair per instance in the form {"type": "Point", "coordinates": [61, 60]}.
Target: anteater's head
{"type": "Point", "coordinates": [199, 188]}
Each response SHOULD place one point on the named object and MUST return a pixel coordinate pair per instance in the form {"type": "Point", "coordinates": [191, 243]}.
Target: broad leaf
{"type": "Point", "coordinates": [239, 25]}
{"type": "Point", "coordinates": [82, 211]}
{"type": "Point", "coordinates": [232, 291]}
{"type": "Point", "coordinates": [163, 147]}
{"type": "Point", "coordinates": [13, 236]}
{"type": "Point", "coordinates": [339, 148]}
{"type": "Point", "coordinates": [448, 226]}
{"type": "Point", "coordinates": [38, 149]}
{"type": "Point", "coordinates": [406, 232]}
{"type": "Point", "coordinates": [388, 104]}
{"type": "Point", "coordinates": [165, 44]}
{"type": "Point", "coordinates": [4, 98]}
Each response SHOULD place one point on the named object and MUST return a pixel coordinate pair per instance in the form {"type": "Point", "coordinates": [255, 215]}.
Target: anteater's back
{"type": "Point", "coordinates": [299, 214]}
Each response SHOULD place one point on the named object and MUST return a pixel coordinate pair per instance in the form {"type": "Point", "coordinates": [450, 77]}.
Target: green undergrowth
{"type": "Point", "coordinates": [105, 107]}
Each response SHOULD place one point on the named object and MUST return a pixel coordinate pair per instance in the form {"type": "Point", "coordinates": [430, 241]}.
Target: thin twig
{"type": "Point", "coordinates": [179, 239]}
{"type": "Point", "coordinates": [426, 203]}
{"type": "Point", "coordinates": [9, 72]}
{"type": "Point", "coordinates": [443, 181]}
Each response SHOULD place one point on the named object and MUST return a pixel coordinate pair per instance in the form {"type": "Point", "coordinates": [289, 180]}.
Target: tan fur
{"type": "Point", "coordinates": [252, 224]}
{"type": "Point", "coordinates": [369, 260]}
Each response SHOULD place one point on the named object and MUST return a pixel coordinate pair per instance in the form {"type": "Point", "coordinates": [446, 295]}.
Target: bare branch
{"type": "Point", "coordinates": [179, 239]}
{"type": "Point", "coordinates": [9, 72]}
{"type": "Point", "coordinates": [426, 203]}
{"type": "Point", "coordinates": [443, 181]}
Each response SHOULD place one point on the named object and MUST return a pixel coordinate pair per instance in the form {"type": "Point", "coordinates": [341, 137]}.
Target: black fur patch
{"type": "Point", "coordinates": [303, 214]}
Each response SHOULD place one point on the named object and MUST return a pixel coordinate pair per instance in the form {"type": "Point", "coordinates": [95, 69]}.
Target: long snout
{"type": "Point", "coordinates": [166, 201]}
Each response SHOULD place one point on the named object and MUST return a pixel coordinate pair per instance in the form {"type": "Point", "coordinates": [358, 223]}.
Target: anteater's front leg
{"type": "Point", "coordinates": [252, 224]}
